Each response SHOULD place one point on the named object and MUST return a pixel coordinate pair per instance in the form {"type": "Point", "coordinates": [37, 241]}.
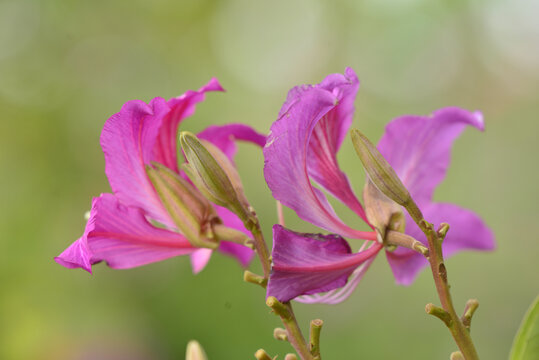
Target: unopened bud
{"type": "Point", "coordinates": [193, 214]}
{"type": "Point", "coordinates": [195, 351]}
{"type": "Point", "coordinates": [382, 174]}
{"type": "Point", "coordinates": [213, 174]}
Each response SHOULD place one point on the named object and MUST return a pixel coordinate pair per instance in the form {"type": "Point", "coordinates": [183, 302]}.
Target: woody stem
{"type": "Point", "coordinates": [295, 337]}
{"type": "Point", "coordinates": [458, 330]}
{"type": "Point", "coordinates": [261, 247]}
{"type": "Point", "coordinates": [284, 310]}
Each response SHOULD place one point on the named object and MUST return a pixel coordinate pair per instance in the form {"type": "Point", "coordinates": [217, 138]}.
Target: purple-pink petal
{"type": "Point", "coordinates": [339, 295]}
{"type": "Point", "coordinates": [181, 107]}
{"type": "Point", "coordinates": [141, 133]}
{"type": "Point", "coordinates": [199, 259]}
{"type": "Point", "coordinates": [302, 146]}
{"type": "Point", "coordinates": [128, 139]}
{"type": "Point", "coordinates": [77, 254]}
{"type": "Point", "coordinates": [419, 147]}
{"type": "Point", "coordinates": [225, 136]}
{"type": "Point", "coordinates": [311, 263]}
{"type": "Point", "coordinates": [327, 137]}
{"type": "Point", "coordinates": [121, 236]}
{"type": "Point", "coordinates": [467, 232]}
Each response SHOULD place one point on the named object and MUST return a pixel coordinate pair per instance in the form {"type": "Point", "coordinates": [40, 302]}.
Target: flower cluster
{"type": "Point", "coordinates": [302, 149]}
{"type": "Point", "coordinates": [155, 212]}
{"type": "Point", "coordinates": [168, 201]}
{"type": "Point", "coordinates": [139, 224]}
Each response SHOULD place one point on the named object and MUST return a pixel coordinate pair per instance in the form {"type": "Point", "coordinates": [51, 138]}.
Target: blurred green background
{"type": "Point", "coordinates": [66, 66]}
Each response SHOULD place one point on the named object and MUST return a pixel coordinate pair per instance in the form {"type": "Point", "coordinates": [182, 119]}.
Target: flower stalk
{"type": "Point", "coordinates": [253, 278]}
{"type": "Point", "coordinates": [456, 326]}
{"type": "Point", "coordinates": [295, 337]}
{"type": "Point", "coordinates": [292, 332]}
{"type": "Point", "coordinates": [253, 225]}
{"type": "Point", "coordinates": [387, 181]}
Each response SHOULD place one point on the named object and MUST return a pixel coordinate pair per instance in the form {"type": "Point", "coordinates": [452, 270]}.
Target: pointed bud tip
{"type": "Point", "coordinates": [378, 169]}
{"type": "Point", "coordinates": [187, 135]}
{"type": "Point", "coordinates": [213, 174]}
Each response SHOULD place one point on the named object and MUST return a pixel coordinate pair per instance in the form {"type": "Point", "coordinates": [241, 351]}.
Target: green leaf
{"type": "Point", "coordinates": [526, 343]}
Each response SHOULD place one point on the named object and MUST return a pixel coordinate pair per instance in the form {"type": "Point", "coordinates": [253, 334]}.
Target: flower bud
{"type": "Point", "coordinates": [195, 351]}
{"type": "Point", "coordinates": [378, 169]}
{"type": "Point", "coordinates": [213, 174]}
{"type": "Point", "coordinates": [193, 214]}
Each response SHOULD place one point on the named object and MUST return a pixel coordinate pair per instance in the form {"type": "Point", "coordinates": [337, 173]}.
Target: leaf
{"type": "Point", "coordinates": [526, 343]}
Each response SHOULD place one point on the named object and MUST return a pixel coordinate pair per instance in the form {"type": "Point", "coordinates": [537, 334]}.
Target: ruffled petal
{"type": "Point", "coordinates": [141, 133]}
{"type": "Point", "coordinates": [311, 263]}
{"type": "Point", "coordinates": [326, 139]}
{"type": "Point", "coordinates": [165, 149]}
{"type": "Point", "coordinates": [418, 147]}
{"type": "Point", "coordinates": [76, 255]}
{"type": "Point", "coordinates": [303, 144]}
{"type": "Point", "coordinates": [467, 232]}
{"type": "Point", "coordinates": [121, 236]}
{"type": "Point", "coordinates": [128, 139]}
{"type": "Point", "coordinates": [224, 136]}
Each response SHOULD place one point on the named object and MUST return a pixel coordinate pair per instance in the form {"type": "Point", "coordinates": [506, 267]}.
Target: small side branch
{"type": "Point", "coordinates": [399, 239]}
{"type": "Point", "coordinates": [469, 310]}
{"type": "Point", "coordinates": [440, 313]}
{"type": "Point", "coordinates": [295, 337]}
{"type": "Point", "coordinates": [254, 279]}
{"type": "Point", "coordinates": [316, 327]}
{"type": "Point", "coordinates": [280, 334]}
{"type": "Point", "coordinates": [456, 355]}
{"type": "Point", "coordinates": [442, 230]}
{"type": "Point", "coordinates": [261, 354]}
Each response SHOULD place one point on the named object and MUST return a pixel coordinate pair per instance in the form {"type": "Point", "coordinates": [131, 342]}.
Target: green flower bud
{"type": "Point", "coordinates": [214, 175]}
{"type": "Point", "coordinates": [193, 214]}
{"type": "Point", "coordinates": [382, 174]}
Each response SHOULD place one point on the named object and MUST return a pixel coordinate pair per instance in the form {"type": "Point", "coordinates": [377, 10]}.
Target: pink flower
{"type": "Point", "coordinates": [302, 149]}
{"type": "Point", "coordinates": [122, 227]}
